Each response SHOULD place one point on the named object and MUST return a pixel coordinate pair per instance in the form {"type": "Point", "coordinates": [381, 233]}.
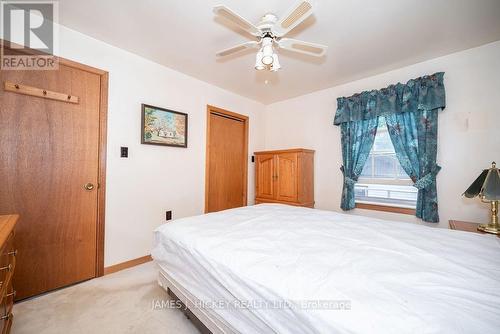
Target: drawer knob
{"type": "Point", "coordinates": [13, 253]}
{"type": "Point", "coordinates": [8, 268]}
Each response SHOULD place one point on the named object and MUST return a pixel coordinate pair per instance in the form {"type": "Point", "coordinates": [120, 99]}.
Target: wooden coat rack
{"type": "Point", "coordinates": [38, 92]}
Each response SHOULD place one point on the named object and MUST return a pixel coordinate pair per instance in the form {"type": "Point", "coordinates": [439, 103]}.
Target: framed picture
{"type": "Point", "coordinates": [163, 127]}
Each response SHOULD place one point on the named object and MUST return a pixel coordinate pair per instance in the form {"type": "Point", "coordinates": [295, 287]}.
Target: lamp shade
{"type": "Point", "coordinates": [267, 55]}
{"type": "Point", "coordinates": [258, 61]}
{"type": "Point", "coordinates": [267, 51]}
{"type": "Point", "coordinates": [276, 63]}
{"type": "Point", "coordinates": [487, 185]}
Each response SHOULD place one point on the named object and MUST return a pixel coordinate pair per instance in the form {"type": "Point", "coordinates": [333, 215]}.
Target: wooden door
{"type": "Point", "coordinates": [265, 176]}
{"type": "Point", "coordinates": [286, 181]}
{"type": "Point", "coordinates": [49, 150]}
{"type": "Point", "coordinates": [226, 167]}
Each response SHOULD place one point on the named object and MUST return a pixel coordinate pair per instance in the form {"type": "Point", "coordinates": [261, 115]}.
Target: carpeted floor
{"type": "Point", "coordinates": [122, 302]}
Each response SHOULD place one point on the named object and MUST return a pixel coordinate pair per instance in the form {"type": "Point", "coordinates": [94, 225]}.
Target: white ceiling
{"type": "Point", "coordinates": [365, 37]}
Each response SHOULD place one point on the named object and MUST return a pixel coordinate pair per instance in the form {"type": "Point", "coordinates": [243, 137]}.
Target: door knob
{"type": "Point", "coordinates": [89, 186]}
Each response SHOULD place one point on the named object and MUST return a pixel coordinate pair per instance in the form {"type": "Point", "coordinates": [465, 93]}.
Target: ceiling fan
{"type": "Point", "coordinates": [269, 33]}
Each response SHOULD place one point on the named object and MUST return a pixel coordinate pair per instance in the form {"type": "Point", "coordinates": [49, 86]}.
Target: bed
{"type": "Point", "coordinates": [273, 268]}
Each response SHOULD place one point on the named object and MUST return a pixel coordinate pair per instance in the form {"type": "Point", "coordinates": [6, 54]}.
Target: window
{"type": "Point", "coordinates": [383, 180]}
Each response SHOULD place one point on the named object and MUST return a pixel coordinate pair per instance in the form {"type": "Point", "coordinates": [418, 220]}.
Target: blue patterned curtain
{"type": "Point", "coordinates": [414, 136]}
{"type": "Point", "coordinates": [357, 141]}
{"type": "Point", "coordinates": [411, 113]}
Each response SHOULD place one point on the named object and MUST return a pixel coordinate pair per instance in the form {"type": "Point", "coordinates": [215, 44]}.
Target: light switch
{"type": "Point", "coordinates": [124, 152]}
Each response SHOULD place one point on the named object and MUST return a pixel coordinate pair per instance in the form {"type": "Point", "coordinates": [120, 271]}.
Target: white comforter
{"type": "Point", "coordinates": [398, 277]}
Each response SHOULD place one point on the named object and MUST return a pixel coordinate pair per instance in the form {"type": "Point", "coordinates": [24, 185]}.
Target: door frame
{"type": "Point", "coordinates": [229, 114]}
{"type": "Point", "coordinates": [101, 173]}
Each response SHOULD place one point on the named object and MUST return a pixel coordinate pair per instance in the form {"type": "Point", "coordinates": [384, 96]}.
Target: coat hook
{"type": "Point", "coordinates": [17, 86]}
{"type": "Point", "coordinates": [44, 92]}
{"type": "Point", "coordinates": [69, 97]}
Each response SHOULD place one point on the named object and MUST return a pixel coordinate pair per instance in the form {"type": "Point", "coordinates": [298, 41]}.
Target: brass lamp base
{"type": "Point", "coordinates": [489, 228]}
{"type": "Point", "coordinates": [493, 227]}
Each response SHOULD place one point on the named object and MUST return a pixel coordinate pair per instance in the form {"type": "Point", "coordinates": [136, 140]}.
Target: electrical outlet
{"type": "Point", "coordinates": [168, 215]}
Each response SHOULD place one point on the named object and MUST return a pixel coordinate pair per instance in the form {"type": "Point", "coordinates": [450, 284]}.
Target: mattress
{"type": "Point", "coordinates": [273, 268]}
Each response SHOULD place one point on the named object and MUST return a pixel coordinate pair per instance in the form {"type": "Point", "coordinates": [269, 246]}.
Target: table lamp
{"type": "Point", "coordinates": [487, 187]}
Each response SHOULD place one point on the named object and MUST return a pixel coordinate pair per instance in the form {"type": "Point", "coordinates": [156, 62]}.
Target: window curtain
{"type": "Point", "coordinates": [414, 136]}
{"type": "Point", "coordinates": [411, 113]}
{"type": "Point", "coordinates": [357, 140]}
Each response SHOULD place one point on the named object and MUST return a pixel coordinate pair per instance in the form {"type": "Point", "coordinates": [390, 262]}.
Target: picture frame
{"type": "Point", "coordinates": [164, 127]}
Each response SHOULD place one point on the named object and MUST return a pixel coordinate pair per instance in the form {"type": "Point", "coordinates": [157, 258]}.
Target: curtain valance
{"type": "Point", "coordinates": [424, 93]}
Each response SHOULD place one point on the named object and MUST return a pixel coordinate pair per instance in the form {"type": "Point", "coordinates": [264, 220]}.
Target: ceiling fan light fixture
{"type": "Point", "coordinates": [258, 62]}
{"type": "Point", "coordinates": [267, 60]}
{"type": "Point", "coordinates": [267, 54]}
{"type": "Point", "coordinates": [269, 33]}
{"type": "Point", "coordinates": [276, 63]}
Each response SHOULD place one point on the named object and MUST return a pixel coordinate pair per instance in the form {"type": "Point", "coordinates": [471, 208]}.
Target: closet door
{"type": "Point", "coordinates": [49, 171]}
{"type": "Point", "coordinates": [265, 175]}
{"type": "Point", "coordinates": [226, 165]}
{"type": "Point", "coordinates": [286, 177]}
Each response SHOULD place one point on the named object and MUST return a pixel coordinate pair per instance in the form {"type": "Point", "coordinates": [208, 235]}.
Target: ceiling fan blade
{"type": "Point", "coordinates": [237, 48]}
{"type": "Point", "coordinates": [296, 15]}
{"type": "Point", "coordinates": [228, 14]}
{"type": "Point", "coordinates": [311, 49]}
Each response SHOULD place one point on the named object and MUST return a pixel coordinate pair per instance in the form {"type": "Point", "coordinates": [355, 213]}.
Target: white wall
{"type": "Point", "coordinates": [154, 178]}
{"type": "Point", "coordinates": [469, 136]}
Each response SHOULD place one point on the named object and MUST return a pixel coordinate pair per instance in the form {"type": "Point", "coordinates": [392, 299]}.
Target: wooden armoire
{"type": "Point", "coordinates": [285, 176]}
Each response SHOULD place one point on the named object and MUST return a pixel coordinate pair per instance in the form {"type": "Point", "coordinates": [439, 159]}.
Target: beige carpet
{"type": "Point", "coordinates": [118, 303]}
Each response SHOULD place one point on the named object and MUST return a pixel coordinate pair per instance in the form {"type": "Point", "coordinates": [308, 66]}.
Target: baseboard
{"type": "Point", "coordinates": [127, 264]}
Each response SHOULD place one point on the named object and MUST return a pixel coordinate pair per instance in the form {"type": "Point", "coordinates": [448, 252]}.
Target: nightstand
{"type": "Point", "coordinates": [464, 226]}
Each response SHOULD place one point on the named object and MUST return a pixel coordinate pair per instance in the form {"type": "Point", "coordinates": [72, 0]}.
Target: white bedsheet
{"type": "Point", "coordinates": [398, 277]}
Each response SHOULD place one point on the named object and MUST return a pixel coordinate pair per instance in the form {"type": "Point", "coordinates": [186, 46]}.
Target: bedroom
{"type": "Point", "coordinates": [140, 60]}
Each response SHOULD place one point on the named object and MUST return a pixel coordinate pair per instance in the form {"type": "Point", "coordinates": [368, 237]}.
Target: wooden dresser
{"type": "Point", "coordinates": [7, 265]}
{"type": "Point", "coordinates": [285, 176]}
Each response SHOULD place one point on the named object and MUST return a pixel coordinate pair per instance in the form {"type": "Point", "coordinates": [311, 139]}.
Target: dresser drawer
{"type": "Point", "coordinates": [6, 306]}
{"type": "Point", "coordinates": [7, 264]}
{"type": "Point", "coordinates": [7, 294]}
{"type": "Point", "coordinates": [8, 325]}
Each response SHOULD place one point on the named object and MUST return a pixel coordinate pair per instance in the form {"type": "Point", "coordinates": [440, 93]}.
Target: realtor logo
{"type": "Point", "coordinates": [29, 35]}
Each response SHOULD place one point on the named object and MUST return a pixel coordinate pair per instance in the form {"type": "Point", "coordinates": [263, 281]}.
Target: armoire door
{"type": "Point", "coordinates": [265, 176]}
{"type": "Point", "coordinates": [226, 165]}
{"type": "Point", "coordinates": [286, 180]}
{"type": "Point", "coordinates": [49, 171]}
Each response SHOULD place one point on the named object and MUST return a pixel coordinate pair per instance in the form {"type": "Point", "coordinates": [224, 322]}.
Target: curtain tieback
{"type": "Point", "coordinates": [348, 180]}
{"type": "Point", "coordinates": [427, 179]}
